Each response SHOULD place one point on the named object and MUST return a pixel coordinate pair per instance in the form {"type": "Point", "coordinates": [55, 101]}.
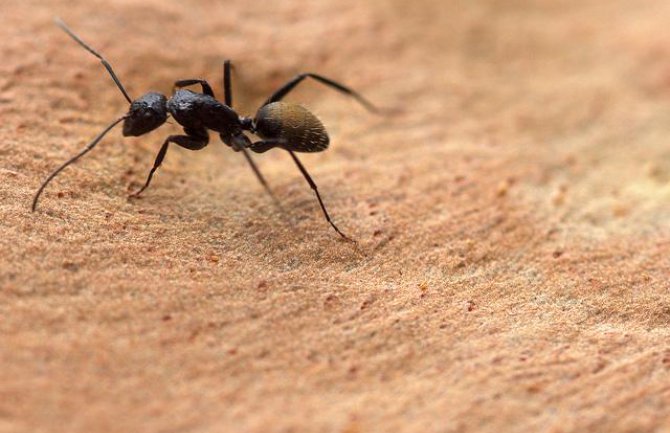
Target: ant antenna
{"type": "Point", "coordinates": [105, 63]}
{"type": "Point", "coordinates": [88, 147]}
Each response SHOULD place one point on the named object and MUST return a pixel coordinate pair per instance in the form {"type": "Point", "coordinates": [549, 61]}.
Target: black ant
{"type": "Point", "coordinates": [279, 124]}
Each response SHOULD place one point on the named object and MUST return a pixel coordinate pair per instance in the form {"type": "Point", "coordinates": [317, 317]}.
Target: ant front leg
{"type": "Point", "coordinates": [206, 88]}
{"type": "Point", "coordinates": [195, 140]}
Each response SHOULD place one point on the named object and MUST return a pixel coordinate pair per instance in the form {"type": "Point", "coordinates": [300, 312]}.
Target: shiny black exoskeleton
{"type": "Point", "coordinates": [279, 124]}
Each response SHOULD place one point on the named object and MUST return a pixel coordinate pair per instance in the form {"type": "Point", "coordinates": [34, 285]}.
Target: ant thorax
{"type": "Point", "coordinates": [197, 110]}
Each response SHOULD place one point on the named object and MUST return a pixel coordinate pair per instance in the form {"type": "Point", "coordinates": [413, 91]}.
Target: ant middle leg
{"type": "Point", "coordinates": [261, 178]}
{"type": "Point", "coordinates": [227, 87]}
{"type": "Point", "coordinates": [228, 100]}
{"type": "Point", "coordinates": [195, 140]}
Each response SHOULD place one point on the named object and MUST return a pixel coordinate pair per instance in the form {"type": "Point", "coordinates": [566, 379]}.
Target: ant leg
{"type": "Point", "coordinates": [261, 178]}
{"type": "Point", "coordinates": [290, 85]}
{"type": "Point", "coordinates": [206, 88]}
{"type": "Point", "coordinates": [312, 185]}
{"type": "Point", "coordinates": [254, 167]}
{"type": "Point", "coordinates": [227, 88]}
{"type": "Point", "coordinates": [265, 145]}
{"type": "Point", "coordinates": [196, 140]}
{"type": "Point", "coordinates": [228, 100]}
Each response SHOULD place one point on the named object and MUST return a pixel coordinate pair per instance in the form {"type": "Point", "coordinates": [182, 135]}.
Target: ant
{"type": "Point", "coordinates": [279, 124]}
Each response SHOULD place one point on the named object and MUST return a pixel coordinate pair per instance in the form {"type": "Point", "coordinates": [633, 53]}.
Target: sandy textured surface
{"type": "Point", "coordinates": [513, 218]}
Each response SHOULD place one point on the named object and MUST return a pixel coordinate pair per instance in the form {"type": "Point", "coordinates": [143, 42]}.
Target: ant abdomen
{"type": "Point", "coordinates": [294, 125]}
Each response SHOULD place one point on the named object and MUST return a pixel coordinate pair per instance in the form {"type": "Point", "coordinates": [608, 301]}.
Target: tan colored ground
{"type": "Point", "coordinates": [513, 222]}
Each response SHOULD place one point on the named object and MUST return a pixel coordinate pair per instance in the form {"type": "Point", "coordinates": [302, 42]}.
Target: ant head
{"type": "Point", "coordinates": [145, 114]}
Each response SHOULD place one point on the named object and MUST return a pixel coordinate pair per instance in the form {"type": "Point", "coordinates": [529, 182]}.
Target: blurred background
{"type": "Point", "coordinates": [511, 215]}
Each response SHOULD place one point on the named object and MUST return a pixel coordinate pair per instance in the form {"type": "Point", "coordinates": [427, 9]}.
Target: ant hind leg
{"type": "Point", "coordinates": [312, 185]}
{"type": "Point", "coordinates": [279, 94]}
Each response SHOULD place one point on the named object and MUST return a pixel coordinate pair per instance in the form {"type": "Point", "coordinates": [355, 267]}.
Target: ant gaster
{"type": "Point", "coordinates": [279, 124]}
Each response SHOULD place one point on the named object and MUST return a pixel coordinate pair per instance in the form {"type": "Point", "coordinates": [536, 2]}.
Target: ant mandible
{"type": "Point", "coordinates": [279, 124]}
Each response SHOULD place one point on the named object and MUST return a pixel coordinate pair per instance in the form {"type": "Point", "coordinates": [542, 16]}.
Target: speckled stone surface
{"type": "Point", "coordinates": [512, 219]}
